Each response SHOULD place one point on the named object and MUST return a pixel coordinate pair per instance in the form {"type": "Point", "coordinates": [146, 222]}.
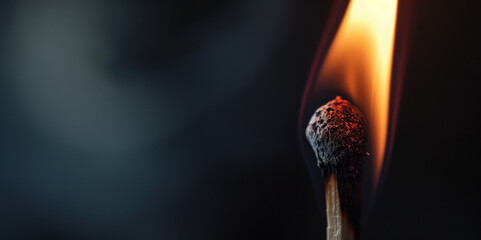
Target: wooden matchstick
{"type": "Point", "coordinates": [337, 133]}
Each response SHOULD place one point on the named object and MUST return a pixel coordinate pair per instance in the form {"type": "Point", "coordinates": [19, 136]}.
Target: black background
{"type": "Point", "coordinates": [431, 189]}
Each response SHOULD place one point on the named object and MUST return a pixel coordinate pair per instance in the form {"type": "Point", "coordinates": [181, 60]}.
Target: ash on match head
{"type": "Point", "coordinates": [337, 133]}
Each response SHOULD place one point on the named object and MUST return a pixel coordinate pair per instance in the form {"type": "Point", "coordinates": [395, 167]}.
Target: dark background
{"type": "Point", "coordinates": [226, 162]}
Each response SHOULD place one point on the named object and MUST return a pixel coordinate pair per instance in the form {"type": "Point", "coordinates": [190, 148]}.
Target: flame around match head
{"type": "Point", "coordinates": [359, 63]}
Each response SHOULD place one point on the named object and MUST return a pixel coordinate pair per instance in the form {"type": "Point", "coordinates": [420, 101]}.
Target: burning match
{"type": "Point", "coordinates": [337, 133]}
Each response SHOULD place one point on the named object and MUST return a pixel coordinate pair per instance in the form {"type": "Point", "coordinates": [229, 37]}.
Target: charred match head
{"type": "Point", "coordinates": [337, 133]}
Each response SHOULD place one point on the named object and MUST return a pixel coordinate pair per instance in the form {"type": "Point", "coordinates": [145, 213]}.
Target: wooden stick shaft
{"type": "Point", "coordinates": [338, 226]}
{"type": "Point", "coordinates": [333, 210]}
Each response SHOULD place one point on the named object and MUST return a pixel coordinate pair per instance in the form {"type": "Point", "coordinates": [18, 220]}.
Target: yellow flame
{"type": "Point", "coordinates": [359, 63]}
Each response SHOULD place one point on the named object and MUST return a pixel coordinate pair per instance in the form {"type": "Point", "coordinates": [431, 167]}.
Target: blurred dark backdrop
{"type": "Point", "coordinates": [178, 120]}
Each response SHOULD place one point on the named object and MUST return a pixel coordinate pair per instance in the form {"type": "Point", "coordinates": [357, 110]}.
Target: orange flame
{"type": "Point", "coordinates": [359, 63]}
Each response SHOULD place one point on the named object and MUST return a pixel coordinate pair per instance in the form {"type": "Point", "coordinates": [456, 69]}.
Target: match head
{"type": "Point", "coordinates": [337, 132]}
